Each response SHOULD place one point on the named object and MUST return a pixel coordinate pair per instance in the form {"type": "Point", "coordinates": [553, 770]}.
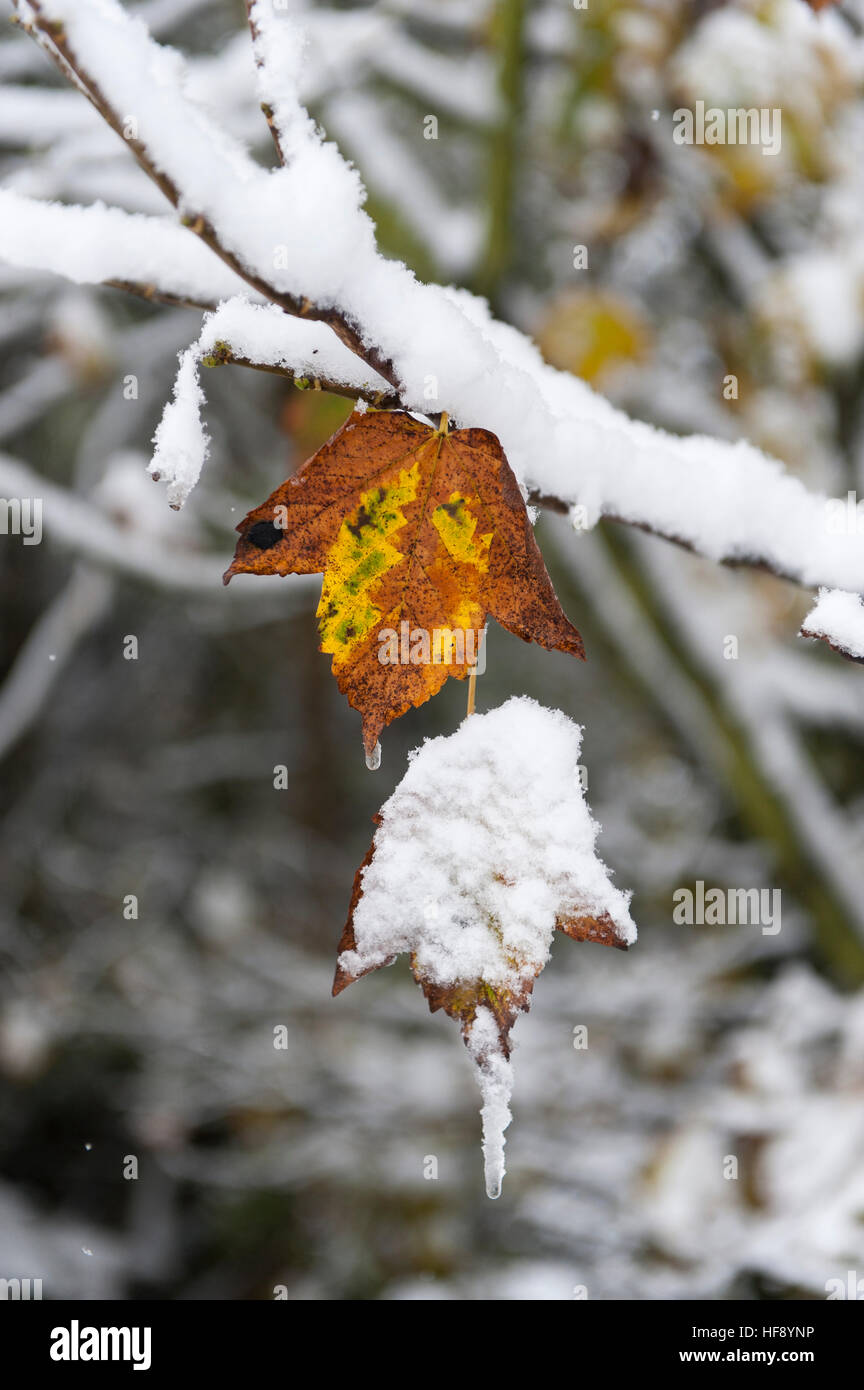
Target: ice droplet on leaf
{"type": "Point", "coordinates": [373, 759]}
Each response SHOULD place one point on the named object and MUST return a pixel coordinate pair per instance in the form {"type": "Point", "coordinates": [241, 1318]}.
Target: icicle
{"type": "Point", "coordinates": [495, 1078]}
{"type": "Point", "coordinates": [181, 441]}
{"type": "Point", "coordinates": [494, 1180]}
{"type": "Point", "coordinates": [373, 759]}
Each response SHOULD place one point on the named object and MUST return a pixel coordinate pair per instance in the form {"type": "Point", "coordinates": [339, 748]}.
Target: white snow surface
{"type": "Point", "coordinates": [839, 618]}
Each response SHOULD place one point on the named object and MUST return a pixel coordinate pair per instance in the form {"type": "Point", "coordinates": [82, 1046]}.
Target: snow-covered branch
{"type": "Point", "coordinates": [298, 236]}
{"type": "Point", "coordinates": [98, 245]}
{"type": "Point", "coordinates": [240, 211]}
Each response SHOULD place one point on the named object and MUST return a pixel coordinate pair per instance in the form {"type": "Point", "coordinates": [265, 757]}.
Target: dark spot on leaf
{"type": "Point", "coordinates": [264, 535]}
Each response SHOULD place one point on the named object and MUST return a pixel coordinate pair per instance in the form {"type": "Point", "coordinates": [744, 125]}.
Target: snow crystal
{"type": "Point", "coordinates": [838, 618]}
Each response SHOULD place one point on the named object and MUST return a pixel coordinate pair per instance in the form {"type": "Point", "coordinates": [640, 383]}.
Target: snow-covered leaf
{"type": "Point", "coordinates": [483, 850]}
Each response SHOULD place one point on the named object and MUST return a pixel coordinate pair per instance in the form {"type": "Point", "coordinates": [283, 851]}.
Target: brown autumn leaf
{"type": "Point", "coordinates": [421, 534]}
{"type": "Point", "coordinates": [484, 850]}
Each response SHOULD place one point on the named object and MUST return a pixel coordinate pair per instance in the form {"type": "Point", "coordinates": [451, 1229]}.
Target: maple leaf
{"type": "Point", "coordinates": [420, 534]}
{"type": "Point", "coordinates": [483, 851]}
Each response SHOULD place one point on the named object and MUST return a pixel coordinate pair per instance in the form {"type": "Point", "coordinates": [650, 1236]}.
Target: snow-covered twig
{"type": "Point", "coordinates": [260, 335]}
{"type": "Point", "coordinates": [277, 51]}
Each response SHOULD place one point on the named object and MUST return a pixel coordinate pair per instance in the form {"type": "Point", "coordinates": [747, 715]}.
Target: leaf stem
{"type": "Point", "coordinates": [472, 690]}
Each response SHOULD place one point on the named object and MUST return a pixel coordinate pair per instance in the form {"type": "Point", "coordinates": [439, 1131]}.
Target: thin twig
{"type": "Point", "coordinates": [157, 296]}
{"type": "Point", "coordinates": [383, 400]}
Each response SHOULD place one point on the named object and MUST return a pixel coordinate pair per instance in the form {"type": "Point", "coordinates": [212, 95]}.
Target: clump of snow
{"type": "Point", "coordinates": [181, 441]}
{"type": "Point", "coordinates": [486, 842]}
{"type": "Point", "coordinates": [279, 48]}
{"type": "Point", "coordinates": [262, 333]}
{"type": "Point", "coordinates": [838, 618]}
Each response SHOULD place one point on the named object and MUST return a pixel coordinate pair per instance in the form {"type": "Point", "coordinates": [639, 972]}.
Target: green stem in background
{"type": "Point", "coordinates": [835, 939]}
{"type": "Point", "coordinates": [509, 43]}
